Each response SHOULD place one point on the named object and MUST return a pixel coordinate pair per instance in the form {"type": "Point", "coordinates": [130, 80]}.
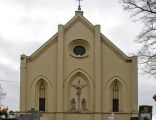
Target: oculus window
{"type": "Point", "coordinates": [79, 50]}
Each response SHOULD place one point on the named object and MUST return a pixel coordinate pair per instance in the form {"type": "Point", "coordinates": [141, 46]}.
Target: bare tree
{"type": "Point", "coordinates": [2, 95]}
{"type": "Point", "coordinates": [145, 12]}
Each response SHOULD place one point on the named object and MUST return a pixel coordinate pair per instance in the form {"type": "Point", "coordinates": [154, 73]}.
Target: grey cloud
{"type": "Point", "coordinates": [12, 96]}
{"type": "Point", "coordinates": [14, 49]}
{"type": "Point", "coordinates": [4, 43]}
{"type": "Point", "coordinates": [146, 91]}
{"type": "Point", "coordinates": [102, 6]}
{"type": "Point", "coordinates": [33, 4]}
{"type": "Point", "coordinates": [63, 5]}
{"type": "Point", "coordinates": [8, 73]}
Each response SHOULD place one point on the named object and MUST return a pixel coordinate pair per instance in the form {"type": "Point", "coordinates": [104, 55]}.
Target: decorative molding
{"type": "Point", "coordinates": [111, 80]}
{"type": "Point", "coordinates": [81, 19]}
{"type": "Point", "coordinates": [78, 71]}
{"type": "Point", "coordinates": [79, 42]}
{"type": "Point", "coordinates": [49, 83]}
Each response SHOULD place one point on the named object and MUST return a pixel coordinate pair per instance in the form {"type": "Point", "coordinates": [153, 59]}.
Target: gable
{"type": "Point", "coordinates": [80, 28]}
{"type": "Point", "coordinates": [78, 31]}
{"type": "Point", "coordinates": [79, 17]}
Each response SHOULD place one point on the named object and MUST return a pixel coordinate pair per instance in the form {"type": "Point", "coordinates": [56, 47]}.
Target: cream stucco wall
{"type": "Point", "coordinates": [60, 68]}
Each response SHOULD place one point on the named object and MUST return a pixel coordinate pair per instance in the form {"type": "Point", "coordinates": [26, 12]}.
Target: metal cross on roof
{"type": "Point", "coordinates": [79, 6]}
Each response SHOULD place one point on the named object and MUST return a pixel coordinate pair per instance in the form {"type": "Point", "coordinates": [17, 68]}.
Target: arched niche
{"type": "Point", "coordinates": [78, 92]}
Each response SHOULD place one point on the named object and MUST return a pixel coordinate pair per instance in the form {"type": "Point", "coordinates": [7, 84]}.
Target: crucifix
{"type": "Point", "coordinates": [79, 6]}
{"type": "Point", "coordinates": [78, 87]}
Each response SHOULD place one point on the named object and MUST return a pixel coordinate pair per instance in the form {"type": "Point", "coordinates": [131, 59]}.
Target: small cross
{"type": "Point", "coordinates": [79, 6]}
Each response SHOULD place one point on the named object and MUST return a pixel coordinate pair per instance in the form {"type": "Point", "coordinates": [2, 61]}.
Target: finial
{"type": "Point", "coordinates": [79, 6]}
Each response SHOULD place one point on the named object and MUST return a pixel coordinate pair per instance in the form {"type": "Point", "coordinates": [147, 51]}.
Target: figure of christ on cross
{"type": "Point", "coordinates": [78, 87]}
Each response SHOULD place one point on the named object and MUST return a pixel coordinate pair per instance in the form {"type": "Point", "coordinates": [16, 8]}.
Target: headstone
{"type": "Point", "coordinates": [25, 117]}
{"type": "Point", "coordinates": [9, 119]}
{"type": "Point", "coordinates": [33, 115]}
{"type": "Point", "coordinates": [145, 112]}
{"type": "Point", "coordinates": [111, 117]}
{"type": "Point", "coordinates": [134, 118]}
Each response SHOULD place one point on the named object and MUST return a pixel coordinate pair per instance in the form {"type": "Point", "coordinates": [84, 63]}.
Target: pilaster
{"type": "Point", "coordinates": [134, 84]}
{"type": "Point", "coordinates": [97, 74]}
{"type": "Point", "coordinates": [23, 92]}
{"type": "Point", "coordinates": [59, 109]}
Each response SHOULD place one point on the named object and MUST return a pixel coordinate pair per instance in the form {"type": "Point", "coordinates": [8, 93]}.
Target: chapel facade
{"type": "Point", "coordinates": [78, 74]}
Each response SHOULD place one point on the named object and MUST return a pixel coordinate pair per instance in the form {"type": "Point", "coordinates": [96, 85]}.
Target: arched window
{"type": "Point", "coordinates": [42, 96]}
{"type": "Point", "coordinates": [115, 96]}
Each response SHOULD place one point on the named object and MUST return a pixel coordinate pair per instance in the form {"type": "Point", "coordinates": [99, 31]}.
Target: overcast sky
{"type": "Point", "coordinates": [26, 24]}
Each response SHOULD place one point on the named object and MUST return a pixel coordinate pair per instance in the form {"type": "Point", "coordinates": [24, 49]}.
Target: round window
{"type": "Point", "coordinates": [79, 50]}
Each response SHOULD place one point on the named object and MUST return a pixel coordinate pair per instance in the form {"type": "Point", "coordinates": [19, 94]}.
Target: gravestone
{"type": "Point", "coordinates": [145, 112]}
{"type": "Point", "coordinates": [134, 118]}
{"type": "Point", "coordinates": [33, 115]}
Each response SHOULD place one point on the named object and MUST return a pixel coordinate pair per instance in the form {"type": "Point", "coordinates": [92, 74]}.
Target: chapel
{"type": "Point", "coordinates": [79, 74]}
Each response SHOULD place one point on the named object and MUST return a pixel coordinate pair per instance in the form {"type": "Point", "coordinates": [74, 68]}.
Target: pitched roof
{"type": "Point", "coordinates": [79, 17]}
